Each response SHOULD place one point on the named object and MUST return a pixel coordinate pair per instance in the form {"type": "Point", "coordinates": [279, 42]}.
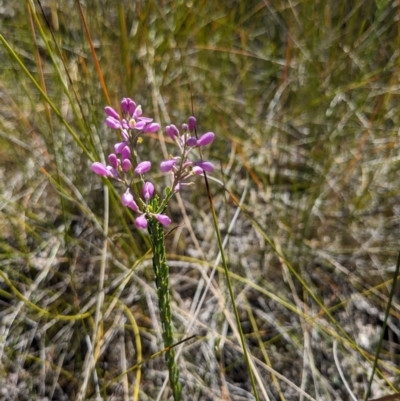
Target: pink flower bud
{"type": "Point", "coordinates": [171, 131]}
{"type": "Point", "coordinates": [206, 166]}
{"type": "Point", "coordinates": [127, 200]}
{"type": "Point", "coordinates": [197, 170]}
{"type": "Point", "coordinates": [111, 112]}
{"type": "Point", "coordinates": [206, 139]}
{"type": "Point", "coordinates": [153, 127]}
{"type": "Point", "coordinates": [131, 107]}
{"type": "Point", "coordinates": [163, 219]}
{"type": "Point", "coordinates": [177, 187]}
{"type": "Point", "coordinates": [100, 169]}
{"type": "Point", "coordinates": [119, 146]}
{"type": "Point", "coordinates": [141, 222]}
{"type": "Point", "coordinates": [143, 167]}
{"type": "Point", "coordinates": [112, 159]}
{"type": "Point", "coordinates": [185, 127]}
{"type": "Point", "coordinates": [192, 141]}
{"type": "Point", "coordinates": [125, 153]}
{"type": "Point", "coordinates": [126, 165]}
{"type": "Point", "coordinates": [124, 104]}
{"type": "Point", "coordinates": [191, 123]}
{"type": "Point", "coordinates": [167, 165]}
{"type": "Point", "coordinates": [148, 190]}
{"type": "Point", "coordinates": [113, 123]}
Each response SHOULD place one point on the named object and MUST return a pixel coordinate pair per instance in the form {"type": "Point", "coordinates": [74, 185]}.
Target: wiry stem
{"type": "Point", "coordinates": [161, 271]}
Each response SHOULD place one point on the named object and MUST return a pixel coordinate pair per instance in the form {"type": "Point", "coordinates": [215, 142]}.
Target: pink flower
{"type": "Point", "coordinates": [206, 166]}
{"type": "Point", "coordinates": [167, 165]}
{"type": "Point", "coordinates": [141, 221]}
{"type": "Point", "coordinates": [205, 139]}
{"type": "Point", "coordinates": [127, 200]}
{"type": "Point", "coordinates": [148, 190]}
{"type": "Point", "coordinates": [100, 169]}
{"type": "Point", "coordinates": [192, 123]}
{"type": "Point", "coordinates": [111, 112]}
{"type": "Point", "coordinates": [153, 127]}
{"type": "Point", "coordinates": [171, 131]}
{"type": "Point", "coordinates": [143, 167]}
{"type": "Point", "coordinates": [163, 219]}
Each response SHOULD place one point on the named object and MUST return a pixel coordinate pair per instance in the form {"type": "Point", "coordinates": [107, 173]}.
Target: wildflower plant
{"type": "Point", "coordinates": [139, 195]}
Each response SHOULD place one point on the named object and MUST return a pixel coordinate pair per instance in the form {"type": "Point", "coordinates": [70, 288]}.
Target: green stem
{"type": "Point", "coordinates": [161, 271]}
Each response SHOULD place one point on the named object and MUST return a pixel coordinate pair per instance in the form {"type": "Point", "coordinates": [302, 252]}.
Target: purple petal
{"type": "Point", "coordinates": [167, 165]}
{"type": "Point", "coordinates": [171, 131]}
{"type": "Point", "coordinates": [112, 159]}
{"type": "Point", "coordinates": [126, 165]}
{"type": "Point", "coordinates": [192, 123]}
{"type": "Point", "coordinates": [192, 141]}
{"type": "Point", "coordinates": [127, 200]}
{"type": "Point", "coordinates": [131, 107]}
{"type": "Point", "coordinates": [145, 119]}
{"type": "Point", "coordinates": [148, 190]}
{"type": "Point", "coordinates": [143, 167]}
{"type": "Point", "coordinates": [125, 153]}
{"type": "Point", "coordinates": [141, 222]}
{"type": "Point", "coordinates": [206, 139]}
{"type": "Point", "coordinates": [140, 125]}
{"type": "Point", "coordinates": [124, 104]}
{"type": "Point", "coordinates": [113, 123]}
{"type": "Point", "coordinates": [153, 127]}
{"type": "Point", "coordinates": [111, 112]}
{"type": "Point", "coordinates": [100, 169]}
{"type": "Point", "coordinates": [163, 219]}
{"type": "Point", "coordinates": [206, 166]}
{"type": "Point", "coordinates": [138, 112]}
{"type": "Point", "coordinates": [197, 170]}
{"type": "Point", "coordinates": [119, 146]}
{"type": "Point", "coordinates": [113, 172]}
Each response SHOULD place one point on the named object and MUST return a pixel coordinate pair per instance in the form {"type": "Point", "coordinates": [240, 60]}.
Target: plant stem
{"type": "Point", "coordinates": [161, 271]}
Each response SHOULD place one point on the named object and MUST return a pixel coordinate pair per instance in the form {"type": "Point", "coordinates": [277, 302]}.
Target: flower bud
{"type": "Point", "coordinates": [127, 200]}
{"type": "Point", "coordinates": [141, 222]}
{"type": "Point", "coordinates": [143, 167]}
{"type": "Point", "coordinates": [197, 170]}
{"type": "Point", "coordinates": [119, 146]}
{"type": "Point", "coordinates": [185, 127]}
{"type": "Point", "coordinates": [148, 190]}
{"type": "Point", "coordinates": [113, 123]}
{"type": "Point", "coordinates": [206, 166]}
{"type": "Point", "coordinates": [171, 131]}
{"type": "Point", "coordinates": [111, 112]}
{"type": "Point", "coordinates": [125, 153]}
{"type": "Point", "coordinates": [167, 165]}
{"type": "Point", "coordinates": [206, 139]}
{"type": "Point", "coordinates": [192, 123]}
{"type": "Point", "coordinates": [126, 165]}
{"type": "Point", "coordinates": [100, 169]}
{"type": "Point", "coordinates": [112, 159]}
{"type": "Point", "coordinates": [192, 141]}
{"type": "Point", "coordinates": [153, 127]}
{"type": "Point", "coordinates": [124, 104]}
{"type": "Point", "coordinates": [131, 107]}
{"type": "Point", "coordinates": [163, 219]}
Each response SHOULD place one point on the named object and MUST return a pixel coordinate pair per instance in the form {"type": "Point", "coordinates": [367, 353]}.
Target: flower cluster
{"type": "Point", "coordinates": [181, 168]}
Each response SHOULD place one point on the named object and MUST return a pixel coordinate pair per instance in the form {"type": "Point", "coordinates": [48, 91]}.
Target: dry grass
{"type": "Point", "coordinates": [303, 99]}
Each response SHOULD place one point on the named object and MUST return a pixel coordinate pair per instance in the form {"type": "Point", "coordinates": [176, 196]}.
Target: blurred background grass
{"type": "Point", "coordinates": [302, 96]}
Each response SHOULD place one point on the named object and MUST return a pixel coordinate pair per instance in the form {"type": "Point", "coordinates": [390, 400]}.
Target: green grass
{"type": "Point", "coordinates": [303, 99]}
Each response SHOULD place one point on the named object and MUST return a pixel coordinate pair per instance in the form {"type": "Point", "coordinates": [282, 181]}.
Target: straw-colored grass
{"type": "Point", "coordinates": [302, 97]}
